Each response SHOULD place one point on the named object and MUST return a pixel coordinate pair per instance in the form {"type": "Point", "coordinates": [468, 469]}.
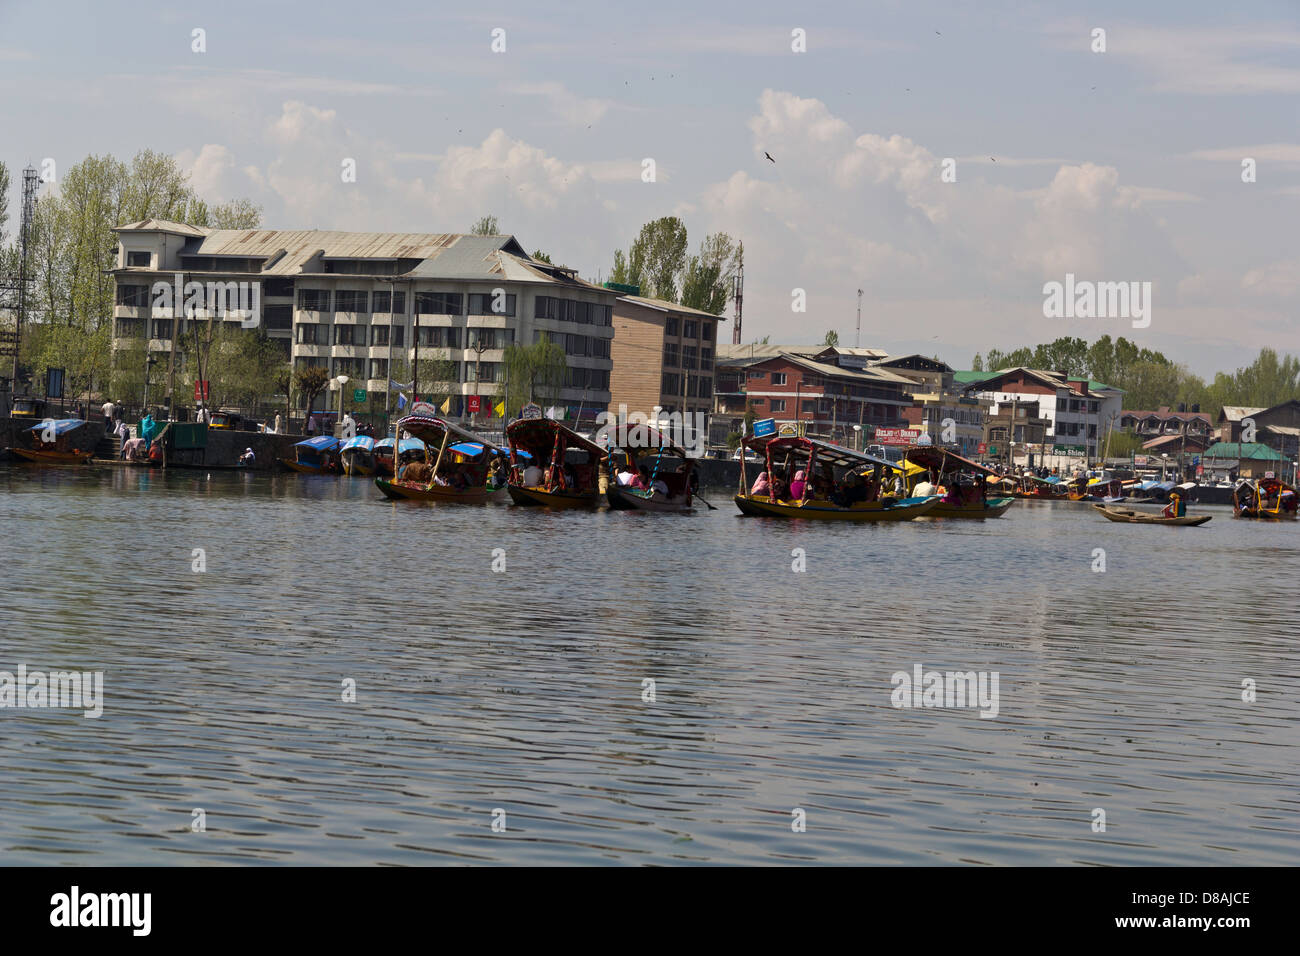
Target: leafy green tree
{"type": "Point", "coordinates": [439, 377]}
{"type": "Point", "coordinates": [310, 381]}
{"type": "Point", "coordinates": [832, 338]}
{"type": "Point", "coordinates": [706, 279]}
{"type": "Point", "coordinates": [655, 260]}
{"type": "Point", "coordinates": [542, 256]}
{"type": "Point", "coordinates": [534, 373]}
{"type": "Point", "coordinates": [977, 363]}
{"type": "Point", "coordinates": [236, 214]}
{"type": "Point", "coordinates": [485, 226]}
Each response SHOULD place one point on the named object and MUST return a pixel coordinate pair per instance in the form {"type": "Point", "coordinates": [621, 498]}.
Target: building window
{"type": "Point", "coordinates": [485, 371]}
{"type": "Point", "coordinates": [671, 326]}
{"type": "Point", "coordinates": [383, 300]}
{"type": "Point", "coordinates": [778, 404]}
{"type": "Point", "coordinates": [379, 368]}
{"type": "Point", "coordinates": [706, 358]}
{"type": "Point", "coordinates": [314, 300]}
{"type": "Point", "coordinates": [160, 329]}
{"type": "Point", "coordinates": [778, 378]}
{"type": "Point", "coordinates": [349, 335]}
{"type": "Point", "coordinates": [707, 330]}
{"type": "Point", "coordinates": [438, 337]}
{"type": "Point", "coordinates": [312, 334]}
{"type": "Point", "coordinates": [690, 329]}
{"type": "Point", "coordinates": [350, 301]}
{"type": "Point", "coordinates": [490, 338]}
{"type": "Point", "coordinates": [690, 357]}
{"type": "Point", "coordinates": [598, 378]}
{"type": "Point", "coordinates": [491, 304]}
{"type": "Point", "coordinates": [706, 387]}
{"type": "Point", "coordinates": [809, 407]}
{"type": "Point", "coordinates": [139, 260]}
{"type": "Point", "coordinates": [672, 383]}
{"type": "Point", "coordinates": [754, 375]}
{"type": "Point", "coordinates": [549, 307]}
{"type": "Point", "coordinates": [311, 361]}
{"type": "Point", "coordinates": [351, 367]}
{"type": "Point", "coordinates": [670, 355]}
{"type": "Point", "coordinates": [437, 303]}
{"type": "Point", "coordinates": [128, 328]}
{"type": "Point", "coordinates": [278, 317]}
{"type": "Point", "coordinates": [133, 295]}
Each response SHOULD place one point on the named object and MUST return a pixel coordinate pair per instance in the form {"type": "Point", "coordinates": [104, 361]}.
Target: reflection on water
{"type": "Point", "coordinates": [524, 690]}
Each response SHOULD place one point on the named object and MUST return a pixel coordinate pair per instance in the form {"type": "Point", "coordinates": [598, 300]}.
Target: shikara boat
{"type": "Point", "coordinates": [835, 487]}
{"type": "Point", "coordinates": [964, 484]}
{"type": "Point", "coordinates": [1035, 488]}
{"type": "Point", "coordinates": [561, 470]}
{"type": "Point", "coordinates": [59, 442]}
{"type": "Point", "coordinates": [680, 480]}
{"type": "Point", "coordinates": [1265, 498]}
{"type": "Point", "coordinates": [358, 456]}
{"type": "Point", "coordinates": [1139, 517]}
{"type": "Point", "coordinates": [460, 473]}
{"type": "Point", "coordinates": [406, 451]}
{"type": "Point", "coordinates": [315, 456]}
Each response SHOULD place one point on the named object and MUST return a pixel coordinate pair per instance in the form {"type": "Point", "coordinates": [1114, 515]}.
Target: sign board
{"type": "Point", "coordinates": [424, 408]}
{"type": "Point", "coordinates": [993, 449]}
{"type": "Point", "coordinates": [1200, 470]}
{"type": "Point", "coordinates": [201, 391]}
{"type": "Point", "coordinates": [788, 430]}
{"type": "Point", "coordinates": [474, 404]}
{"type": "Point", "coordinates": [358, 395]}
{"type": "Point", "coordinates": [982, 449]}
{"type": "Point", "coordinates": [897, 436]}
{"type": "Point", "coordinates": [764, 427]}
{"type": "Point", "coordinates": [1077, 451]}
{"type": "Point", "coordinates": [54, 383]}
{"type": "Point", "coordinates": [1269, 474]}
{"type": "Point", "coordinates": [1139, 460]}
{"type": "Point", "coordinates": [530, 411]}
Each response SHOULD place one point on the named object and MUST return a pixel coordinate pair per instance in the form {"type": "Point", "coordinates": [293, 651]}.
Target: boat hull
{"type": "Point", "coordinates": [1137, 517]}
{"type": "Point", "coordinates": [403, 491]}
{"type": "Point", "coordinates": [892, 509]}
{"type": "Point", "coordinates": [992, 508]}
{"type": "Point", "coordinates": [621, 498]}
{"type": "Point", "coordinates": [355, 466]}
{"type": "Point", "coordinates": [303, 467]}
{"type": "Point", "coordinates": [53, 457]}
{"type": "Point", "coordinates": [535, 497]}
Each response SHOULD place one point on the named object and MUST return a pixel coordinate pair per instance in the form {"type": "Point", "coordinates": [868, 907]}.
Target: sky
{"type": "Point", "coordinates": [1122, 164]}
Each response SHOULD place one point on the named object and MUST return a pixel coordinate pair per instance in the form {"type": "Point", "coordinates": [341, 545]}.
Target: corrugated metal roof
{"type": "Point", "coordinates": [163, 225]}
{"type": "Point", "coordinates": [1235, 413]}
{"type": "Point", "coordinates": [1250, 450]}
{"type": "Point", "coordinates": [664, 306]}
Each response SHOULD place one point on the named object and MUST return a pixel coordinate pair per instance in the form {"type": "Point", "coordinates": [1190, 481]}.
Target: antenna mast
{"type": "Point", "coordinates": [738, 293]}
{"type": "Point", "coordinates": [857, 341]}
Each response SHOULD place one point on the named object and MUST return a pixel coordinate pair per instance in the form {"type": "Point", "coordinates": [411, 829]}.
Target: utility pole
{"type": "Point", "coordinates": [857, 339]}
{"type": "Point", "coordinates": [479, 349]}
{"type": "Point", "coordinates": [30, 179]}
{"type": "Point", "coordinates": [738, 293]}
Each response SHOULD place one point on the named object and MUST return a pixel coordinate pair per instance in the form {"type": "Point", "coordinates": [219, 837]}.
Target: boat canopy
{"type": "Point", "coordinates": [432, 432]}
{"type": "Point", "coordinates": [471, 449]}
{"type": "Point", "coordinates": [942, 460]}
{"type": "Point", "coordinates": [654, 439]}
{"type": "Point", "coordinates": [320, 443]}
{"type": "Point", "coordinates": [384, 444]}
{"type": "Point", "coordinates": [60, 427]}
{"type": "Point", "coordinates": [537, 434]}
{"type": "Point", "coordinates": [827, 453]}
{"type": "Point", "coordinates": [410, 444]}
{"type": "Point", "coordinates": [364, 442]}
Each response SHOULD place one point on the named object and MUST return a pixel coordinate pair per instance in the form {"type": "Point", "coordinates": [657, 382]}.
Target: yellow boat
{"type": "Point", "coordinates": [54, 443]}
{"type": "Point", "coordinates": [460, 474]}
{"type": "Point", "coordinates": [963, 498]}
{"type": "Point", "coordinates": [544, 444]}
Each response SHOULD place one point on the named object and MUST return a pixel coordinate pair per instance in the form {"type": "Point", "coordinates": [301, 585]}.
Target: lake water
{"type": "Point", "coordinates": [525, 691]}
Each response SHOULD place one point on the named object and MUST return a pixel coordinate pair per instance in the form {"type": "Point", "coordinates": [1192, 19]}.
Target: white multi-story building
{"type": "Point", "coordinates": [1081, 412]}
{"type": "Point", "coordinates": [350, 302]}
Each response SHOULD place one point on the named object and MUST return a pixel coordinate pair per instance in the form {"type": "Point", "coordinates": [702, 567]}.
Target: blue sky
{"type": "Point", "coordinates": [1116, 166]}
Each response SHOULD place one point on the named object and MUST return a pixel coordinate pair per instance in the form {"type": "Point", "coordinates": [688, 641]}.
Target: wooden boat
{"type": "Point", "coordinates": [315, 456]}
{"type": "Point", "coordinates": [1139, 517]}
{"type": "Point", "coordinates": [1268, 499]}
{"type": "Point", "coordinates": [58, 443]}
{"type": "Point", "coordinates": [680, 480]}
{"type": "Point", "coordinates": [552, 466]}
{"type": "Point", "coordinates": [964, 484]}
{"type": "Point", "coordinates": [1035, 488]}
{"type": "Point", "coordinates": [831, 467]}
{"type": "Point", "coordinates": [460, 474]}
{"type": "Point", "coordinates": [358, 456]}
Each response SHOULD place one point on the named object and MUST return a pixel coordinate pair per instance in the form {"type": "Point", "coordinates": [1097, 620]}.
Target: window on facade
{"type": "Point", "coordinates": [351, 367]}
{"type": "Point", "coordinates": [670, 355]}
{"type": "Point", "coordinates": [278, 317]}
{"type": "Point", "coordinates": [690, 357]}
{"type": "Point", "coordinates": [672, 326]}
{"type": "Point", "coordinates": [778, 404]}
{"type": "Point", "coordinates": [752, 374]}
{"type": "Point", "coordinates": [778, 378]}
{"type": "Point", "coordinates": [809, 406]}
{"type": "Point", "coordinates": [706, 387]}
{"type": "Point", "coordinates": [1092, 431]}
{"type": "Point", "coordinates": [349, 335]}
{"type": "Point", "coordinates": [139, 259]}
{"type": "Point", "coordinates": [352, 301]}
{"type": "Point", "coordinates": [437, 303]}
{"type": "Point", "coordinates": [706, 358]}
{"type": "Point", "coordinates": [491, 304]}
{"type": "Point", "coordinates": [384, 302]}
{"type": "Point", "coordinates": [598, 378]}
{"type": "Point", "coordinates": [160, 329]}
{"type": "Point", "coordinates": [692, 386]}
{"type": "Point", "coordinates": [128, 328]}
{"type": "Point", "coordinates": [379, 368]}
{"type": "Point", "coordinates": [311, 361]}
{"type": "Point", "coordinates": [314, 300]}
{"type": "Point", "coordinates": [490, 338]}
{"type": "Point", "coordinates": [690, 329]}
{"type": "Point", "coordinates": [707, 330]}
{"type": "Point", "coordinates": [439, 337]}
{"type": "Point", "coordinates": [312, 334]}
{"type": "Point", "coordinates": [133, 295]}
{"type": "Point", "coordinates": [672, 383]}
{"type": "Point", "coordinates": [1092, 407]}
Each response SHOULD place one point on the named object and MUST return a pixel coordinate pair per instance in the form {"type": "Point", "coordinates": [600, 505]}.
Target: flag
{"type": "Point", "coordinates": [446, 406]}
{"type": "Point", "coordinates": [401, 401]}
{"type": "Point", "coordinates": [399, 385]}
{"type": "Point", "coordinates": [500, 409]}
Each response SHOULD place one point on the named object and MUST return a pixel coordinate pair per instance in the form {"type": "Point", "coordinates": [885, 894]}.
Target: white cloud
{"type": "Point", "coordinates": [565, 105]}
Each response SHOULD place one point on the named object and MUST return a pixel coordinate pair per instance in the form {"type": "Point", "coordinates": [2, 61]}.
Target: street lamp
{"type": "Point", "coordinates": [149, 362]}
{"type": "Point", "coordinates": [857, 437]}
{"type": "Point", "coordinates": [342, 380]}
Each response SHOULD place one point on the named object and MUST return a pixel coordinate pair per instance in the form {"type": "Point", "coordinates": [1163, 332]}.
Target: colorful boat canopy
{"type": "Point", "coordinates": [432, 431]}
{"type": "Point", "coordinates": [60, 427]}
{"type": "Point", "coordinates": [411, 444]}
{"type": "Point", "coordinates": [827, 452]}
{"type": "Point", "coordinates": [471, 449]}
{"type": "Point", "coordinates": [930, 456]}
{"type": "Point", "coordinates": [364, 442]}
{"type": "Point", "coordinates": [320, 443]}
{"type": "Point", "coordinates": [538, 435]}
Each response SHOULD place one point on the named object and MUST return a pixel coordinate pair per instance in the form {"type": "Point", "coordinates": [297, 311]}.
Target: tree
{"type": "Point", "coordinates": [310, 381]}
{"type": "Point", "coordinates": [542, 256]}
{"type": "Point", "coordinates": [486, 226]}
{"type": "Point", "coordinates": [236, 214]}
{"type": "Point", "coordinates": [706, 279]}
{"type": "Point", "coordinates": [977, 363]}
{"type": "Point", "coordinates": [438, 379]}
{"type": "Point", "coordinates": [656, 259]}
{"type": "Point", "coordinates": [832, 339]}
{"type": "Point", "coordinates": [534, 373]}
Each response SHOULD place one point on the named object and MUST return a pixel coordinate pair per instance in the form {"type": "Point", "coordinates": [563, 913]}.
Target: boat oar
{"type": "Point", "coordinates": [710, 507]}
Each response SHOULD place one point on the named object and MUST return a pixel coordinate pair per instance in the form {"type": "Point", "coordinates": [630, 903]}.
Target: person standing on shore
{"type": "Point", "coordinates": [109, 408]}
{"type": "Point", "coordinates": [277, 423]}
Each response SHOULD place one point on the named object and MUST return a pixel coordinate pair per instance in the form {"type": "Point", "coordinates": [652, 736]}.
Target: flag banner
{"type": "Point", "coordinates": [500, 410]}
{"type": "Point", "coordinates": [446, 406]}
{"type": "Point", "coordinates": [399, 385]}
{"type": "Point", "coordinates": [401, 401]}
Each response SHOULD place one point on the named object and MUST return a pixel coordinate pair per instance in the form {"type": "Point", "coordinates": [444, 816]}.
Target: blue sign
{"type": "Point", "coordinates": [765, 427]}
{"type": "Point", "coordinates": [1196, 459]}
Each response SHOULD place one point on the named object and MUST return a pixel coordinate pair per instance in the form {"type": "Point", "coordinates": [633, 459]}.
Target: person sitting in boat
{"type": "Point", "coordinates": [798, 485]}
{"type": "Point", "coordinates": [247, 459]}
{"type": "Point", "coordinates": [1176, 508]}
{"type": "Point", "coordinates": [898, 490]}
{"type": "Point", "coordinates": [626, 476]}
{"type": "Point", "coordinates": [761, 485]}
{"type": "Point", "coordinates": [660, 487]}
{"type": "Point", "coordinates": [532, 475]}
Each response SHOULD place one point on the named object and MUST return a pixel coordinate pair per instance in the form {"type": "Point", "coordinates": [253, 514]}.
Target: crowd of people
{"type": "Point", "coordinates": [852, 488]}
